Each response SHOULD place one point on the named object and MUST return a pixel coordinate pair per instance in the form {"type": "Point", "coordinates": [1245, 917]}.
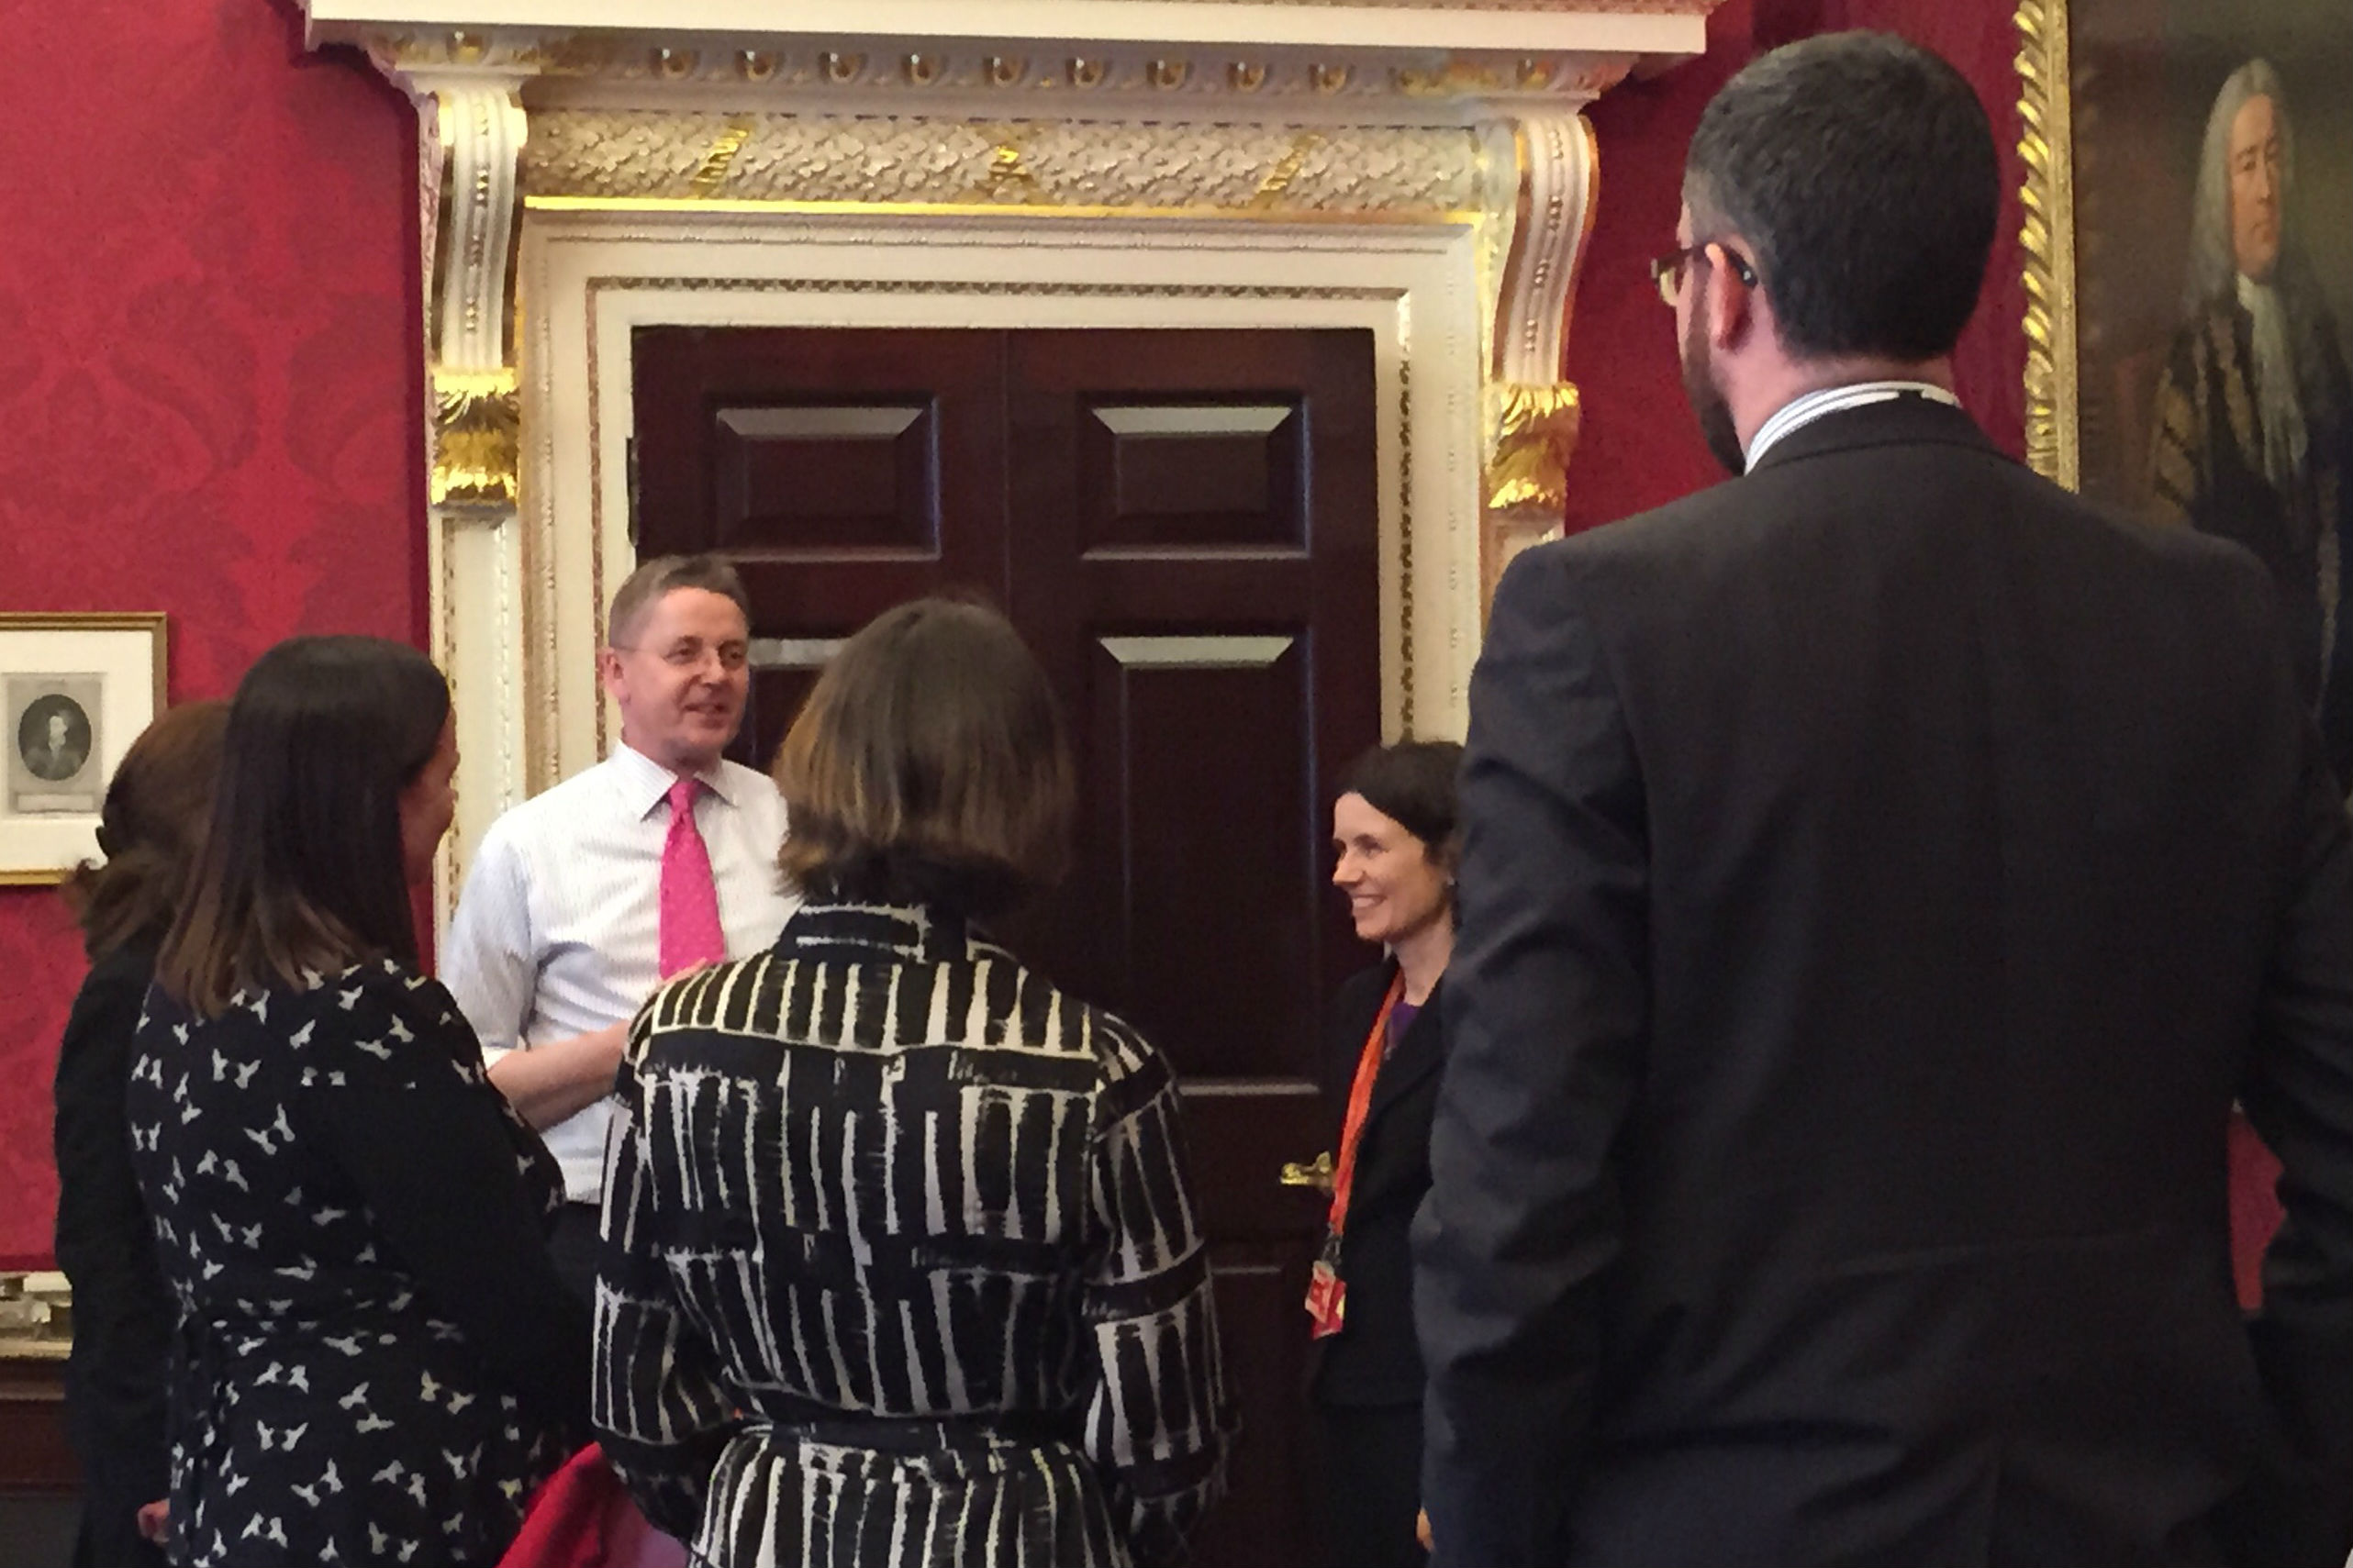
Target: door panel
{"type": "Point", "coordinates": [1221, 885]}
{"type": "Point", "coordinates": [1212, 476]}
{"type": "Point", "coordinates": [827, 479]}
{"type": "Point", "coordinates": [1181, 525]}
{"type": "Point", "coordinates": [768, 445]}
{"type": "Point", "coordinates": [1200, 575]}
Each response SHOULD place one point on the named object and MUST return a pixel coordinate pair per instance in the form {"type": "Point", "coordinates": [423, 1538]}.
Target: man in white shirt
{"type": "Point", "coordinates": [582, 899]}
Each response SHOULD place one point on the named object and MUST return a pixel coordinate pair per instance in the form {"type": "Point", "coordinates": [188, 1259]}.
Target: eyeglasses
{"type": "Point", "coordinates": [1667, 270]}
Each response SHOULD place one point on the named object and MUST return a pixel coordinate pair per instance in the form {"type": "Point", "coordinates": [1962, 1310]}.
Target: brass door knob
{"type": "Point", "coordinates": [1316, 1175]}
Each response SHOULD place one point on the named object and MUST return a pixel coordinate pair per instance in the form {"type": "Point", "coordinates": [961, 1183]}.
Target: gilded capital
{"type": "Point", "coordinates": [477, 435]}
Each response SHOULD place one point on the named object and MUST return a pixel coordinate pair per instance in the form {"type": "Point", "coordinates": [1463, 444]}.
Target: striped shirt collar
{"type": "Point", "coordinates": [646, 783]}
{"type": "Point", "coordinates": [1795, 416]}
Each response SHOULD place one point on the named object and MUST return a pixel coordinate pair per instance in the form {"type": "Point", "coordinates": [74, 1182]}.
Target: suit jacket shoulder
{"type": "Point", "coordinates": [1802, 519]}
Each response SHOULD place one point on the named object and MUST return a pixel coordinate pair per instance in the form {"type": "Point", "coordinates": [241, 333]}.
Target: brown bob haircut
{"type": "Point", "coordinates": [928, 765]}
{"type": "Point", "coordinates": [150, 829]}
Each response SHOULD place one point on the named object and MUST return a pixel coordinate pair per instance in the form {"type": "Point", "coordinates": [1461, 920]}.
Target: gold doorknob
{"type": "Point", "coordinates": [1316, 1175]}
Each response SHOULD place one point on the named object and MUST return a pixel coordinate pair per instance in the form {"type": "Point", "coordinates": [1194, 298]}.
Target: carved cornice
{"type": "Point", "coordinates": [1040, 82]}
{"type": "Point", "coordinates": [1272, 170]}
{"type": "Point", "coordinates": [1455, 47]}
{"type": "Point", "coordinates": [1371, 60]}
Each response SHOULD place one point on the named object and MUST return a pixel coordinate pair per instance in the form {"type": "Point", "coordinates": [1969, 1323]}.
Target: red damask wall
{"type": "Point", "coordinates": [208, 399]}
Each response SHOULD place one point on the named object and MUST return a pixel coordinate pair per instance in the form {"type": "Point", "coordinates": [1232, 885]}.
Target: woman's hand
{"type": "Point", "coordinates": [155, 1521]}
{"type": "Point", "coordinates": [1422, 1531]}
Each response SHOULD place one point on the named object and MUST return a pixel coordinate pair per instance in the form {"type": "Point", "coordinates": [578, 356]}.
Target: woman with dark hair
{"type": "Point", "coordinates": [148, 829]}
{"type": "Point", "coordinates": [375, 1360]}
{"type": "Point", "coordinates": [900, 1264]}
{"type": "Point", "coordinates": [1394, 829]}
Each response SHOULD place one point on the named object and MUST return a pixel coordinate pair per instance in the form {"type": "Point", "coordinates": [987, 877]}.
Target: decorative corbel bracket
{"type": "Point", "coordinates": [471, 141]}
{"type": "Point", "coordinates": [1532, 414]}
{"type": "Point", "coordinates": [474, 217]}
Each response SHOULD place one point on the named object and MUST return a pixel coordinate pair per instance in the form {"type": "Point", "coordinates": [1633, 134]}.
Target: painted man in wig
{"type": "Point", "coordinates": [2254, 437]}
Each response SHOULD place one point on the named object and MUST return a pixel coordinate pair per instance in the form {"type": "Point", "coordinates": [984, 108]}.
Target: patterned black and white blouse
{"type": "Point", "coordinates": [375, 1361]}
{"type": "Point", "coordinates": [901, 1264]}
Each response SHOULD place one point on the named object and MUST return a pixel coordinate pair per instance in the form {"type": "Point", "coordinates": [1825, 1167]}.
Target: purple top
{"type": "Point", "coordinates": [1401, 1019]}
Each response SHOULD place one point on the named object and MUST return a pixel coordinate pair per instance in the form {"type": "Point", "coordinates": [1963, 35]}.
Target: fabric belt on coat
{"type": "Point", "coordinates": [915, 1434]}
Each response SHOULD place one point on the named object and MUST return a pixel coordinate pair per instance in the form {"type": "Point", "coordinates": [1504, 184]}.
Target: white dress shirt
{"type": "Point", "coordinates": [1800, 412]}
{"type": "Point", "coordinates": [558, 930]}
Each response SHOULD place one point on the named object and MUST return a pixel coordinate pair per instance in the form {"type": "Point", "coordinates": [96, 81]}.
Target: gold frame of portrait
{"type": "Point", "coordinates": [155, 624]}
{"type": "Point", "coordinates": [2046, 142]}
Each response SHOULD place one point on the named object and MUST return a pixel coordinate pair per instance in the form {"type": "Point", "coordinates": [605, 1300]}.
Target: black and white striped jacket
{"type": "Point", "coordinates": [899, 1251]}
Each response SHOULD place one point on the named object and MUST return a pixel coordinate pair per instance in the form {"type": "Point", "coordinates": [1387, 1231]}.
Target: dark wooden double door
{"type": "Point", "coordinates": [1182, 526]}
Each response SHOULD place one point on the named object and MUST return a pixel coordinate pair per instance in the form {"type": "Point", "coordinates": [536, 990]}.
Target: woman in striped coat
{"type": "Point", "coordinates": [900, 1264]}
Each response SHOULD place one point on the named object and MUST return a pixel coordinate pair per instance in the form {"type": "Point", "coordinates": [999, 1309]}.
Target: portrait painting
{"type": "Point", "coordinates": [2201, 192]}
{"type": "Point", "coordinates": [52, 767]}
{"type": "Point", "coordinates": [75, 690]}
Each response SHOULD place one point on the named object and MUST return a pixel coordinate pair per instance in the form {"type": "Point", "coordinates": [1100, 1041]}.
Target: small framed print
{"type": "Point", "coordinates": [75, 691]}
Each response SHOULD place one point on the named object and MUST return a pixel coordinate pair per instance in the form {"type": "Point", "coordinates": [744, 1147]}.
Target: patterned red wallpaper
{"type": "Point", "coordinates": [207, 404]}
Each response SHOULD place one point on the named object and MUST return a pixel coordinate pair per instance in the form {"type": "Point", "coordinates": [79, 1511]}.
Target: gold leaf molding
{"type": "Point", "coordinates": [897, 160]}
{"type": "Point", "coordinates": [2047, 145]}
{"type": "Point", "coordinates": [477, 433]}
{"type": "Point", "coordinates": [1532, 436]}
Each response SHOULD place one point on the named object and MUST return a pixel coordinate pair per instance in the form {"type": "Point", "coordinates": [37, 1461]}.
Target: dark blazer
{"type": "Point", "coordinates": [106, 1244]}
{"type": "Point", "coordinates": [1881, 874]}
{"type": "Point", "coordinates": [1373, 1359]}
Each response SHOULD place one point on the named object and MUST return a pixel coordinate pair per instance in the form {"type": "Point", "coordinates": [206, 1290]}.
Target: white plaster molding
{"type": "Point", "coordinates": [480, 126]}
{"type": "Point", "coordinates": [577, 33]}
{"type": "Point", "coordinates": [1558, 179]}
{"type": "Point", "coordinates": [1531, 412]}
{"type": "Point", "coordinates": [474, 131]}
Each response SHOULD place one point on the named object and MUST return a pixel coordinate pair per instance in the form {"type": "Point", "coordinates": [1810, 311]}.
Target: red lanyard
{"type": "Point", "coordinates": [1327, 1293]}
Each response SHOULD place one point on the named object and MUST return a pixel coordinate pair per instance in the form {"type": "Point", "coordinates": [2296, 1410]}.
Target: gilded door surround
{"type": "Point", "coordinates": [1300, 128]}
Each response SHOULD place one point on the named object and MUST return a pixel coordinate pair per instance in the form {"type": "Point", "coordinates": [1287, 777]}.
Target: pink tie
{"type": "Point", "coordinates": [690, 929]}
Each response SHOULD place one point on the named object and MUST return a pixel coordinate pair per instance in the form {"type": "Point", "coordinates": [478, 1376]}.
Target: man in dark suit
{"type": "Point", "coordinates": [1881, 874]}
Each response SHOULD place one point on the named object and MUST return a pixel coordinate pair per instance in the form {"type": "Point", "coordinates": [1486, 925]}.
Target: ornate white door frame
{"type": "Point", "coordinates": [1418, 168]}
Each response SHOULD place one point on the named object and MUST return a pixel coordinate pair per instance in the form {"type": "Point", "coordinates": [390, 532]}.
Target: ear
{"type": "Point", "coordinates": [1732, 304]}
{"type": "Point", "coordinates": [608, 672]}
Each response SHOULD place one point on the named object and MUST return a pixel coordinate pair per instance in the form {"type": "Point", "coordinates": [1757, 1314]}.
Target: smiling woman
{"type": "Point", "coordinates": [1393, 829]}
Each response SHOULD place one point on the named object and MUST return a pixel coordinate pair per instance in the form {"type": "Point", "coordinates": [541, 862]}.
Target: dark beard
{"type": "Point", "coordinates": [1716, 425]}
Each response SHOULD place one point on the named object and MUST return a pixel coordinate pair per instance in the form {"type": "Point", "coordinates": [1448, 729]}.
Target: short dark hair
{"type": "Point", "coordinates": [150, 829]}
{"type": "Point", "coordinates": [1862, 170]}
{"type": "Point", "coordinates": [644, 589]}
{"type": "Point", "coordinates": [929, 765]}
{"type": "Point", "coordinates": [302, 866]}
{"type": "Point", "coordinates": [1413, 784]}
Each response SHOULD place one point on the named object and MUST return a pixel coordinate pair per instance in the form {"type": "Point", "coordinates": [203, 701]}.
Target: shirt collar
{"type": "Point", "coordinates": [1803, 411]}
{"type": "Point", "coordinates": [645, 783]}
